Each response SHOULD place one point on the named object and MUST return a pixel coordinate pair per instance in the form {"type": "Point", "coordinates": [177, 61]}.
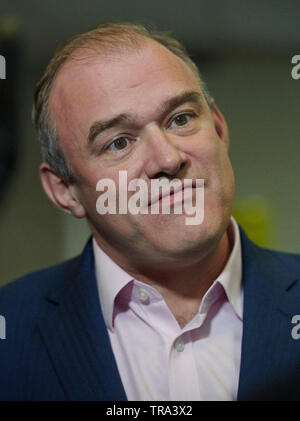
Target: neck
{"type": "Point", "coordinates": [183, 287]}
{"type": "Point", "coordinates": [186, 286]}
{"type": "Point", "coordinates": [183, 290]}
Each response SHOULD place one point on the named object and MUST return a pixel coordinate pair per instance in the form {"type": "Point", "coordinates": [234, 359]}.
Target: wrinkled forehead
{"type": "Point", "coordinates": [115, 81]}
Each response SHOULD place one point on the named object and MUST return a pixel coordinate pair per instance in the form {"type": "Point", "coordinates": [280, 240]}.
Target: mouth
{"type": "Point", "coordinates": [174, 194]}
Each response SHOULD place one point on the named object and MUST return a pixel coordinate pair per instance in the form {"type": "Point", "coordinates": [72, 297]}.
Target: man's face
{"type": "Point", "coordinates": [143, 112]}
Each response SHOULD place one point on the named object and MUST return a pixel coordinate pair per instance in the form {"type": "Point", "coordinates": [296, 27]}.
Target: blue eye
{"type": "Point", "coordinates": [119, 144]}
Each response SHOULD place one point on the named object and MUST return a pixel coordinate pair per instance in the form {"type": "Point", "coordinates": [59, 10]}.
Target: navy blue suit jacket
{"type": "Point", "coordinates": [57, 346]}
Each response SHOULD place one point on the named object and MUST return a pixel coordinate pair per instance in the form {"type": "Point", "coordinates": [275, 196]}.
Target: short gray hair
{"type": "Point", "coordinates": [112, 37]}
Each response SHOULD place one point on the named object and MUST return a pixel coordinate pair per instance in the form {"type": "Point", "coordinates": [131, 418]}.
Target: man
{"type": "Point", "coordinates": [154, 308]}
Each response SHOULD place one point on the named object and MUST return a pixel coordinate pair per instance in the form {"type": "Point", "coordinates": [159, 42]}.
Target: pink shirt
{"type": "Point", "coordinates": [156, 359]}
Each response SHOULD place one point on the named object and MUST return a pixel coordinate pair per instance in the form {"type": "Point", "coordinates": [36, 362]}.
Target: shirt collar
{"type": "Point", "coordinates": [231, 276]}
{"type": "Point", "coordinates": [111, 278]}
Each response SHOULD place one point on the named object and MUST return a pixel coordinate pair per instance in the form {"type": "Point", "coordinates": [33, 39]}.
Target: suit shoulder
{"type": "Point", "coordinates": [34, 285]}
{"type": "Point", "coordinates": [289, 259]}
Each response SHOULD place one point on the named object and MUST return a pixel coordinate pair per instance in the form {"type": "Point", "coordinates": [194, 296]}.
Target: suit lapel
{"type": "Point", "coordinates": [75, 335]}
{"type": "Point", "coordinates": [269, 353]}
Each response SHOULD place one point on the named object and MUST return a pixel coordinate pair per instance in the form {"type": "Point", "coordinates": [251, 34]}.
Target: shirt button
{"type": "Point", "coordinates": [143, 295]}
{"type": "Point", "coordinates": [179, 345]}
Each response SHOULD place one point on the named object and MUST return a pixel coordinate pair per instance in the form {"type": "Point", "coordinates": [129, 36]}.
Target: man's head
{"type": "Point", "coordinates": [122, 99]}
{"type": "Point", "coordinates": [106, 38]}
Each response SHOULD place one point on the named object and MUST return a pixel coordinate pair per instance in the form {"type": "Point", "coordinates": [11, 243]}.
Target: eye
{"type": "Point", "coordinates": [181, 120]}
{"type": "Point", "coordinates": [119, 144]}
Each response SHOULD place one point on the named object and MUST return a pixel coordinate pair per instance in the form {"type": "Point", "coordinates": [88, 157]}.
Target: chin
{"type": "Point", "coordinates": [186, 241]}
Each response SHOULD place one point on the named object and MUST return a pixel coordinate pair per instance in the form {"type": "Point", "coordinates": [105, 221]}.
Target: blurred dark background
{"type": "Point", "coordinates": [244, 51]}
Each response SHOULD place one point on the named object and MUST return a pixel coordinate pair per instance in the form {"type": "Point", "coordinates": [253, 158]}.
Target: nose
{"type": "Point", "coordinates": [163, 155]}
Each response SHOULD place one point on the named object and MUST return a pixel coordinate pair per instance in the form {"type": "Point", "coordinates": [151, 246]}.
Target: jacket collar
{"type": "Point", "coordinates": [271, 298]}
{"type": "Point", "coordinates": [75, 335]}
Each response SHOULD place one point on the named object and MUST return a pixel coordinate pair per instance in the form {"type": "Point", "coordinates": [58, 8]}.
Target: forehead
{"type": "Point", "coordinates": [99, 85]}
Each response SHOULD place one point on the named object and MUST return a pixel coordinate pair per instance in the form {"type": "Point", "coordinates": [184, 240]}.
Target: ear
{"type": "Point", "coordinates": [60, 192]}
{"type": "Point", "coordinates": [220, 123]}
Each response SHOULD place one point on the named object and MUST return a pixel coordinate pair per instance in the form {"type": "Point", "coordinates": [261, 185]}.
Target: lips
{"type": "Point", "coordinates": [184, 189]}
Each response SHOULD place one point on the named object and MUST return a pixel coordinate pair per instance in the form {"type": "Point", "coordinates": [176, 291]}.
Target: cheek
{"type": "Point", "coordinates": [211, 157]}
{"type": "Point", "coordinates": [86, 183]}
{"type": "Point", "coordinates": [89, 197]}
{"type": "Point", "coordinates": [208, 152]}
{"type": "Point", "coordinates": [90, 189]}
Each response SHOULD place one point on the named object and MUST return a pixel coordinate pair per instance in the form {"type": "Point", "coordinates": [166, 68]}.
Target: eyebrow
{"type": "Point", "coordinates": [100, 126]}
{"type": "Point", "coordinates": [172, 103]}
{"type": "Point", "coordinates": [169, 105]}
